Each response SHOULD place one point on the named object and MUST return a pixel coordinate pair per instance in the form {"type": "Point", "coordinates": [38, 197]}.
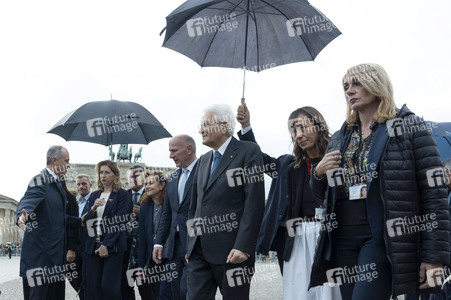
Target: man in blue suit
{"type": "Point", "coordinates": [41, 213]}
{"type": "Point", "coordinates": [226, 211]}
{"type": "Point", "coordinates": [172, 228]}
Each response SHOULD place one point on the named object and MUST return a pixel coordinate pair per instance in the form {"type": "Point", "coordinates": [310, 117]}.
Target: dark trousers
{"type": "Point", "coordinates": [127, 292]}
{"type": "Point", "coordinates": [204, 278]}
{"type": "Point", "coordinates": [178, 284]}
{"type": "Point", "coordinates": [355, 250]}
{"type": "Point", "coordinates": [77, 283]}
{"type": "Point", "coordinates": [48, 291]}
{"type": "Point", "coordinates": [103, 277]}
{"type": "Point", "coordinates": [278, 245]}
{"type": "Point", "coordinates": [163, 287]}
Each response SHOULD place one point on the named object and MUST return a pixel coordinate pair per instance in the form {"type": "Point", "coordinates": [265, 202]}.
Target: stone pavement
{"type": "Point", "coordinates": [266, 283]}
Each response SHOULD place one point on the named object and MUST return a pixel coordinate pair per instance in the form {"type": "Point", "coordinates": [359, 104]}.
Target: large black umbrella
{"type": "Point", "coordinates": [110, 122]}
{"type": "Point", "coordinates": [253, 35]}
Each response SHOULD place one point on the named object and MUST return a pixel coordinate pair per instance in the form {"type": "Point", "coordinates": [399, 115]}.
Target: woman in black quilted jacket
{"type": "Point", "coordinates": [393, 237]}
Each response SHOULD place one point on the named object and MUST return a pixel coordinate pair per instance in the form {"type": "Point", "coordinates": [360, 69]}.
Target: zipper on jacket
{"type": "Point", "coordinates": [387, 245]}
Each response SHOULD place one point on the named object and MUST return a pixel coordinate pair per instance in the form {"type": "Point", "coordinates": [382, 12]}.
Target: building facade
{"type": "Point", "coordinates": [9, 232]}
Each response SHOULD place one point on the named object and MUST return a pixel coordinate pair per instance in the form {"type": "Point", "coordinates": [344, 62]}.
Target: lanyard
{"type": "Point", "coordinates": [358, 157]}
{"type": "Point", "coordinates": [308, 165]}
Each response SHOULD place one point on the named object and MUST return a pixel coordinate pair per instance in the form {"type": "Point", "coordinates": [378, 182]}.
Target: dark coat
{"type": "Point", "coordinates": [73, 233]}
{"type": "Point", "coordinates": [145, 235]}
{"type": "Point", "coordinates": [114, 229]}
{"type": "Point", "coordinates": [400, 189]}
{"type": "Point", "coordinates": [174, 213]}
{"type": "Point", "coordinates": [218, 196]}
{"type": "Point", "coordinates": [277, 202]}
{"type": "Point", "coordinates": [44, 242]}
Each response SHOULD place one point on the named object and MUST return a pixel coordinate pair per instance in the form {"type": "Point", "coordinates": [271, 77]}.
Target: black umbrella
{"type": "Point", "coordinates": [110, 122]}
{"type": "Point", "coordinates": [251, 34]}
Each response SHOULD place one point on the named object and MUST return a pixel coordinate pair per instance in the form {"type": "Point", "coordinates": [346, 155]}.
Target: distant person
{"type": "Point", "coordinates": [273, 230]}
{"type": "Point", "coordinates": [10, 251]}
{"type": "Point", "coordinates": [106, 241]}
{"type": "Point", "coordinates": [225, 195]}
{"type": "Point", "coordinates": [182, 149]}
{"type": "Point", "coordinates": [392, 153]}
{"type": "Point", "coordinates": [41, 214]}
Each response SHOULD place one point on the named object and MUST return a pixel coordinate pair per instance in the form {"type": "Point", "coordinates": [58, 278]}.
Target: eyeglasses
{"type": "Point", "coordinates": [207, 124]}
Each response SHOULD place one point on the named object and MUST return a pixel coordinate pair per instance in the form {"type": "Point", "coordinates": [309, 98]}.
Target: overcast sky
{"type": "Point", "coordinates": [57, 55]}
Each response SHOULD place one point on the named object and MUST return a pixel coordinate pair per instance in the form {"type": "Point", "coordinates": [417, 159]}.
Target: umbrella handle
{"type": "Point", "coordinates": [243, 101]}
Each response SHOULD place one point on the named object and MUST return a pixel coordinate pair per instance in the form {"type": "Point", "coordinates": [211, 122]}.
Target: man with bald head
{"type": "Point", "coordinates": [182, 149]}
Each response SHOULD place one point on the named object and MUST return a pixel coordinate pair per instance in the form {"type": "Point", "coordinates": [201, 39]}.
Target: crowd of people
{"type": "Point", "coordinates": [360, 214]}
{"type": "Point", "coordinates": [10, 249]}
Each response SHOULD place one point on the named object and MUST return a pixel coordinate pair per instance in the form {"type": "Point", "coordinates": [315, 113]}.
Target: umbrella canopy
{"type": "Point", "coordinates": [251, 34]}
{"type": "Point", "coordinates": [442, 135]}
{"type": "Point", "coordinates": [110, 122]}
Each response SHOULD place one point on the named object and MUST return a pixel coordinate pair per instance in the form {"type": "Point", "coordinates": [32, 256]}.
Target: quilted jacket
{"type": "Point", "coordinates": [406, 189]}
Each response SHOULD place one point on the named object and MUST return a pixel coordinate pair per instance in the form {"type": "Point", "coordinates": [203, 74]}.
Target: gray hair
{"type": "Point", "coordinates": [188, 141]}
{"type": "Point", "coordinates": [223, 113]}
{"type": "Point", "coordinates": [80, 176]}
{"type": "Point", "coordinates": [54, 151]}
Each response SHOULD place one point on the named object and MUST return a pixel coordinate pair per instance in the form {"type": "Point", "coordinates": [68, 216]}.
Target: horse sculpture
{"type": "Point", "coordinates": [124, 154]}
{"type": "Point", "coordinates": [138, 155]}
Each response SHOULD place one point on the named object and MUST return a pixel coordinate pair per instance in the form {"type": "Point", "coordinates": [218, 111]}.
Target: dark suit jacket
{"type": "Point", "coordinates": [221, 196]}
{"type": "Point", "coordinates": [44, 242]}
{"type": "Point", "coordinates": [145, 235]}
{"type": "Point", "coordinates": [276, 205]}
{"type": "Point", "coordinates": [73, 233]}
{"type": "Point", "coordinates": [113, 230]}
{"type": "Point", "coordinates": [174, 213]}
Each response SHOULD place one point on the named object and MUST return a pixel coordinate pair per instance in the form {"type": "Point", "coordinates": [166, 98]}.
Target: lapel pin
{"type": "Point", "coordinates": [110, 200]}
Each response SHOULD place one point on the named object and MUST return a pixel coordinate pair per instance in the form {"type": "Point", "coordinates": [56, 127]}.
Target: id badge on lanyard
{"type": "Point", "coordinates": [357, 192]}
{"type": "Point", "coordinates": [319, 214]}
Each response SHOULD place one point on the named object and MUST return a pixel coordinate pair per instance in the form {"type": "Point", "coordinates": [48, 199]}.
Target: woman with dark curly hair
{"type": "Point", "coordinates": [310, 136]}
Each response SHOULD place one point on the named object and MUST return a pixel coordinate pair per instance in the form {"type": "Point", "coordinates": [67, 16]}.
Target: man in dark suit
{"type": "Point", "coordinates": [84, 185]}
{"type": "Point", "coordinates": [226, 211]}
{"type": "Point", "coordinates": [273, 231]}
{"type": "Point", "coordinates": [172, 228]}
{"type": "Point", "coordinates": [136, 191]}
{"type": "Point", "coordinates": [41, 213]}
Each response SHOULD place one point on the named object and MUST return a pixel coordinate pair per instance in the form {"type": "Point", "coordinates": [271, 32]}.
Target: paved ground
{"type": "Point", "coordinates": [266, 284]}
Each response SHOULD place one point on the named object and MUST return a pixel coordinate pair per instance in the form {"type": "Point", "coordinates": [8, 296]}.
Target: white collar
{"type": "Point", "coordinates": [51, 173]}
{"type": "Point", "coordinates": [223, 148]}
{"type": "Point", "coordinates": [191, 166]}
{"type": "Point", "coordinates": [141, 191]}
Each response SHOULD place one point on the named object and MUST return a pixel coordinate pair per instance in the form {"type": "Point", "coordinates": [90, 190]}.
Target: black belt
{"type": "Point", "coordinates": [351, 212]}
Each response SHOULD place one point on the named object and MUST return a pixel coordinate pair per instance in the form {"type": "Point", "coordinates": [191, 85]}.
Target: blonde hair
{"type": "Point", "coordinates": [113, 166]}
{"type": "Point", "coordinates": [376, 81]}
{"type": "Point", "coordinates": [160, 176]}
